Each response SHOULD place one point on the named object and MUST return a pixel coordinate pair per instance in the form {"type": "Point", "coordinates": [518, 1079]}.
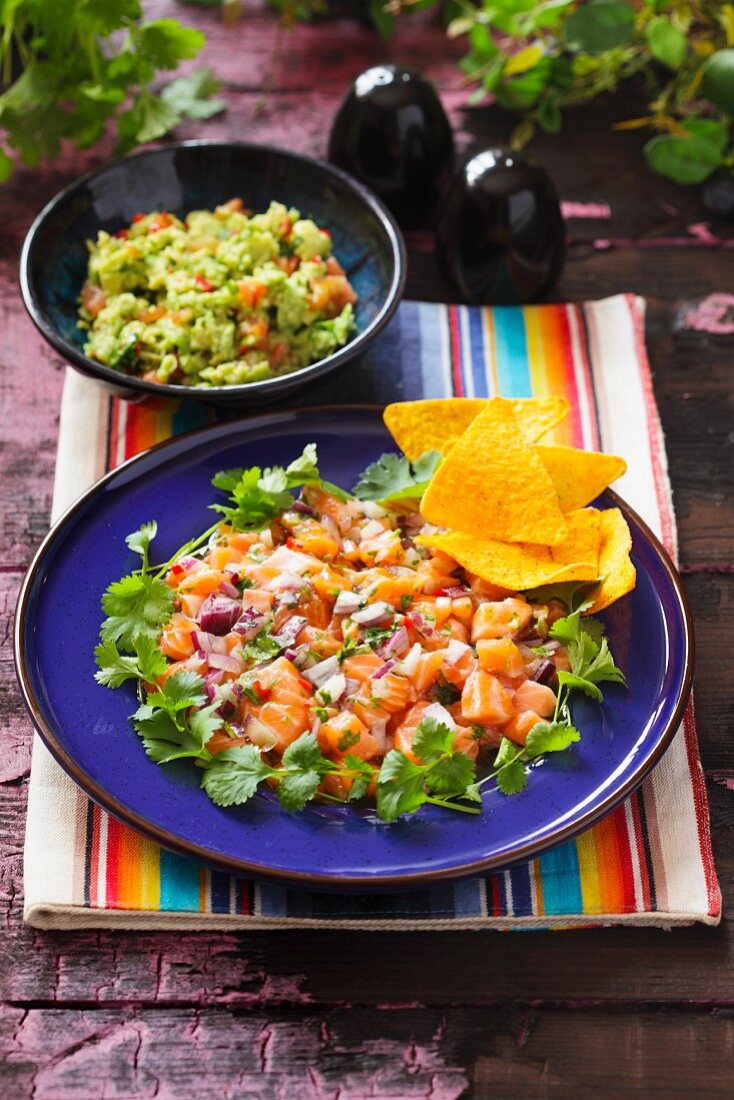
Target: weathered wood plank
{"type": "Point", "coordinates": [354, 1053]}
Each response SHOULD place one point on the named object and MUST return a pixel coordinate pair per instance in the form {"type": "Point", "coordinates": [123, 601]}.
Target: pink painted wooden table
{"type": "Point", "coordinates": [329, 1015]}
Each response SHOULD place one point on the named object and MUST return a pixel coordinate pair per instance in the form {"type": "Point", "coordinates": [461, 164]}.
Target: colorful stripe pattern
{"type": "Point", "coordinates": [625, 865]}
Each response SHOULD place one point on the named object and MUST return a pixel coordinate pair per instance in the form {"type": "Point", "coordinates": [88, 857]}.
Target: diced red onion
{"type": "Point", "coordinates": [218, 614]}
{"type": "Point", "coordinates": [374, 614]}
{"type": "Point", "coordinates": [378, 730]}
{"type": "Point", "coordinates": [409, 663]}
{"type": "Point", "coordinates": [544, 672]}
{"type": "Point", "coordinates": [287, 599]}
{"type": "Point", "coordinates": [353, 686]}
{"type": "Point", "coordinates": [398, 642]}
{"type": "Point", "coordinates": [188, 562]}
{"type": "Point", "coordinates": [372, 509]}
{"type": "Point", "coordinates": [225, 662]}
{"type": "Point", "coordinates": [286, 560]}
{"type": "Point", "coordinates": [316, 725]}
{"type": "Point", "coordinates": [334, 688]}
{"type": "Point", "coordinates": [330, 526]}
{"type": "Point", "coordinates": [208, 643]}
{"type": "Point", "coordinates": [320, 673]}
{"type": "Point", "coordinates": [303, 508]}
{"type": "Point", "coordinates": [420, 624]}
{"type": "Point", "coordinates": [455, 651]}
{"type": "Point", "coordinates": [226, 709]}
{"type": "Point", "coordinates": [288, 633]}
{"type": "Point", "coordinates": [440, 714]}
{"type": "Point", "coordinates": [456, 591]}
{"type": "Point", "coordinates": [229, 590]}
{"type": "Point", "coordinates": [383, 670]}
{"type": "Point", "coordinates": [290, 654]}
{"type": "Point", "coordinates": [372, 530]}
{"type": "Point", "coordinates": [346, 603]}
{"type": "Point", "coordinates": [290, 582]}
{"type": "Point", "coordinates": [249, 623]}
{"type": "Point", "coordinates": [210, 681]}
{"type": "Point", "coordinates": [260, 733]}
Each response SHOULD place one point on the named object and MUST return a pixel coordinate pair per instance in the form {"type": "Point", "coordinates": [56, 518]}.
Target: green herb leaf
{"type": "Point", "coordinates": [451, 776]}
{"type": "Point", "coordinates": [599, 26]}
{"type": "Point", "coordinates": [666, 42]}
{"type": "Point", "coordinates": [365, 775]}
{"type": "Point", "coordinates": [683, 159]}
{"type": "Point", "coordinates": [261, 648]}
{"type": "Point", "coordinates": [572, 682]}
{"type": "Point", "coordinates": [139, 541]}
{"type": "Point", "coordinates": [294, 791]}
{"type": "Point", "coordinates": [550, 737]}
{"type": "Point", "coordinates": [235, 774]}
{"type": "Point", "coordinates": [165, 42]}
{"type": "Point", "coordinates": [114, 668]}
{"type": "Point", "coordinates": [392, 477]}
{"type": "Point", "coordinates": [432, 739]}
{"type": "Point", "coordinates": [513, 778]}
{"type": "Point", "coordinates": [717, 84]}
{"type": "Point", "coordinates": [399, 786]}
{"type": "Point", "coordinates": [304, 753]}
{"type": "Point", "coordinates": [191, 96]}
{"type": "Point", "coordinates": [136, 606]}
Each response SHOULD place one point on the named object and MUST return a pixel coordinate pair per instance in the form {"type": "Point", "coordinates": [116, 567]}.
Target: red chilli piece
{"type": "Point", "coordinates": [203, 282]}
{"type": "Point", "coordinates": [138, 218]}
{"type": "Point", "coordinates": [122, 234]}
{"type": "Point", "coordinates": [177, 570]}
{"type": "Point", "coordinates": [261, 691]}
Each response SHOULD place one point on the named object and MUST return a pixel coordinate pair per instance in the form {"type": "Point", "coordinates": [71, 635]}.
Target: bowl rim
{"type": "Point", "coordinates": [103, 373]}
{"type": "Point", "coordinates": [323, 880]}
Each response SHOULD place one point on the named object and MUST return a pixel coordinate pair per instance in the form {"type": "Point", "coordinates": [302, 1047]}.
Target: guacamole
{"type": "Point", "coordinates": [222, 298]}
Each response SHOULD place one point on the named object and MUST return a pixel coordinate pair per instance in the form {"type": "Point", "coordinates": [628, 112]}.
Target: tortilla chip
{"type": "Point", "coordinates": [494, 486]}
{"type": "Point", "coordinates": [435, 425]}
{"type": "Point", "coordinates": [579, 476]}
{"type": "Point", "coordinates": [615, 568]}
{"type": "Point", "coordinates": [520, 566]}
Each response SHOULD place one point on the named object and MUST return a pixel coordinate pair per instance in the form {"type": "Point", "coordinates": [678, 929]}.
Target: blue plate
{"type": "Point", "coordinates": [86, 726]}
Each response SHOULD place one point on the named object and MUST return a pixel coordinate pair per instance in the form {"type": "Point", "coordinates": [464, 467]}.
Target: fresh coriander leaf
{"type": "Point", "coordinates": [577, 683]}
{"type": "Point", "coordinates": [513, 778]}
{"type": "Point", "coordinates": [304, 468]}
{"type": "Point", "coordinates": [451, 777]}
{"type": "Point", "coordinates": [262, 648]}
{"type": "Point", "coordinates": [165, 42]}
{"type": "Point", "coordinates": [507, 751]}
{"type": "Point", "coordinates": [473, 793]}
{"type": "Point", "coordinates": [446, 693]}
{"type": "Point", "coordinates": [400, 786]}
{"type": "Point", "coordinates": [253, 504]}
{"type": "Point", "coordinates": [115, 668]}
{"type": "Point", "coordinates": [139, 541]}
{"type": "Point", "coordinates": [391, 477]}
{"type": "Point", "coordinates": [234, 775]}
{"type": "Point", "coordinates": [136, 605]}
{"type": "Point", "coordinates": [305, 754]}
{"type": "Point", "coordinates": [192, 96]}
{"type": "Point", "coordinates": [550, 737]}
{"type": "Point", "coordinates": [361, 782]}
{"type": "Point", "coordinates": [602, 667]}
{"type": "Point", "coordinates": [570, 593]}
{"type": "Point", "coordinates": [347, 739]}
{"type": "Point", "coordinates": [165, 741]}
{"type": "Point", "coordinates": [294, 791]}
{"type": "Point", "coordinates": [180, 691]}
{"type": "Point", "coordinates": [432, 739]}
{"type": "Point", "coordinates": [351, 648]}
{"type": "Point", "coordinates": [203, 723]}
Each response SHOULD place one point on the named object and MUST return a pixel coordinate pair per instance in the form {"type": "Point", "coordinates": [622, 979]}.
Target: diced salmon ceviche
{"type": "Point", "coordinates": [331, 621]}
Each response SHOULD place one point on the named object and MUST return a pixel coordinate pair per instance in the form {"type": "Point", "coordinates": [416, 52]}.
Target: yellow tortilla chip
{"type": "Point", "coordinates": [615, 568]}
{"type": "Point", "coordinates": [493, 485]}
{"type": "Point", "coordinates": [435, 425]}
{"type": "Point", "coordinates": [579, 476]}
{"type": "Point", "coordinates": [520, 566]}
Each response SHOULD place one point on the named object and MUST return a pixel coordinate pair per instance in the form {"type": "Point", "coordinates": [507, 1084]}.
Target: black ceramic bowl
{"type": "Point", "coordinates": [199, 175]}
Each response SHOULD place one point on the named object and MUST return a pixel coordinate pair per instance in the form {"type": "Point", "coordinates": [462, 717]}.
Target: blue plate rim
{"type": "Point", "coordinates": [325, 881]}
{"type": "Point", "coordinates": [93, 369]}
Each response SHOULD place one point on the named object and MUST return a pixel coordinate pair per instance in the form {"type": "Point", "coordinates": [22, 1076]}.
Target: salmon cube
{"type": "Point", "coordinates": [500, 655]}
{"type": "Point", "coordinates": [485, 701]}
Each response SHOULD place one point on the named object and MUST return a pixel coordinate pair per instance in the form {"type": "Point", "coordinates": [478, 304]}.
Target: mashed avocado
{"type": "Point", "coordinates": [223, 298]}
